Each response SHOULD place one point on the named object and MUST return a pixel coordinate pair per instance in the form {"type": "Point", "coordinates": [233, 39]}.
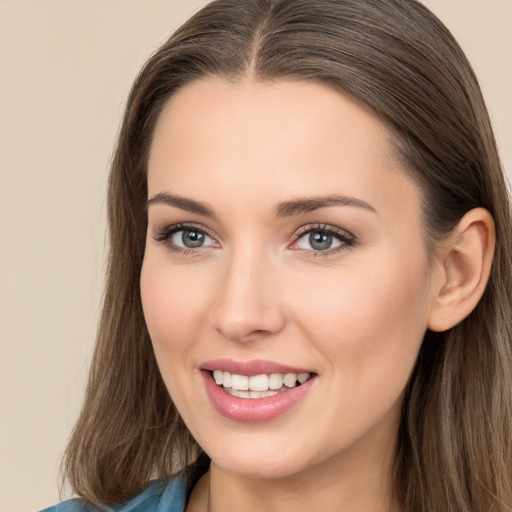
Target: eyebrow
{"type": "Point", "coordinates": [309, 204]}
{"type": "Point", "coordinates": [284, 209]}
{"type": "Point", "coordinates": [183, 203]}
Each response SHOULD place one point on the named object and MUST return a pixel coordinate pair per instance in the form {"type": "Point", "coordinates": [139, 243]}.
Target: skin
{"type": "Point", "coordinates": [355, 316]}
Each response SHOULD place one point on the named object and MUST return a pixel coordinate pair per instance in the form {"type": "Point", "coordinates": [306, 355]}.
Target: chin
{"type": "Point", "coordinates": [259, 459]}
{"type": "Point", "coordinates": [259, 469]}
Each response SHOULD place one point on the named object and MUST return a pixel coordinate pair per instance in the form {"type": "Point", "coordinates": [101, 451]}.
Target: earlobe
{"type": "Point", "coordinates": [464, 268]}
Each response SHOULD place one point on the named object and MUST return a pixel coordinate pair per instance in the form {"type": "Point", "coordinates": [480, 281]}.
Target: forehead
{"type": "Point", "coordinates": [214, 112]}
{"type": "Point", "coordinates": [272, 139]}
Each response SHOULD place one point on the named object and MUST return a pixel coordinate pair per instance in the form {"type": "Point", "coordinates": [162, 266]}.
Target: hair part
{"type": "Point", "coordinates": [397, 59]}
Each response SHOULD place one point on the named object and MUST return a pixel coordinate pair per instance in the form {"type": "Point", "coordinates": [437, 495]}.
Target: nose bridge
{"type": "Point", "coordinates": [247, 303]}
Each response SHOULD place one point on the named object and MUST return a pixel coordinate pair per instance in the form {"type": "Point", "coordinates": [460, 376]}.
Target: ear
{"type": "Point", "coordinates": [464, 268]}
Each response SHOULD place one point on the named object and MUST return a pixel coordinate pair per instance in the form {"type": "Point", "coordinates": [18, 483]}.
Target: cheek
{"type": "Point", "coordinates": [174, 305]}
{"type": "Point", "coordinates": [173, 309]}
{"type": "Point", "coordinates": [369, 323]}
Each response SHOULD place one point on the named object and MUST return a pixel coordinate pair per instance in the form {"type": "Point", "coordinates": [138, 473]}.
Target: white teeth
{"type": "Point", "coordinates": [250, 394]}
{"type": "Point", "coordinates": [226, 379]}
{"type": "Point", "coordinates": [261, 394]}
{"type": "Point", "coordinates": [275, 381]}
{"type": "Point", "coordinates": [258, 384]}
{"type": "Point", "coordinates": [303, 377]}
{"type": "Point", "coordinates": [218, 376]}
{"type": "Point", "coordinates": [239, 393]}
{"type": "Point", "coordinates": [290, 380]}
{"type": "Point", "coordinates": [240, 382]}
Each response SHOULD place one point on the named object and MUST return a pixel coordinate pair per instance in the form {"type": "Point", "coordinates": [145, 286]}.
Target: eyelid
{"type": "Point", "coordinates": [165, 235]}
{"type": "Point", "coordinates": [328, 228]}
{"type": "Point", "coordinates": [170, 229]}
{"type": "Point", "coordinates": [346, 238]}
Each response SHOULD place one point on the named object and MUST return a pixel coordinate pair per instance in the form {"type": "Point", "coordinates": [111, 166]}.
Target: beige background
{"type": "Point", "coordinates": [65, 70]}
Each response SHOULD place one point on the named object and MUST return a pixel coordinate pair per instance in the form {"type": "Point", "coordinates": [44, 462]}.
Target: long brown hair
{"type": "Point", "coordinates": [396, 58]}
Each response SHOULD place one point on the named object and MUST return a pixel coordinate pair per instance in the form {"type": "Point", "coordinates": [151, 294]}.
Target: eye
{"type": "Point", "coordinates": [318, 241]}
{"type": "Point", "coordinates": [183, 238]}
{"type": "Point", "coordinates": [190, 238]}
{"type": "Point", "coordinates": [323, 239]}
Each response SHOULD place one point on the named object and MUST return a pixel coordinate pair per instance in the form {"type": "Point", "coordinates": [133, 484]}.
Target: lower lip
{"type": "Point", "coordinates": [253, 410]}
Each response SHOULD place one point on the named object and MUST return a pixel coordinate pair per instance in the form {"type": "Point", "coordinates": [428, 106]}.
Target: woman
{"type": "Point", "coordinates": [309, 288]}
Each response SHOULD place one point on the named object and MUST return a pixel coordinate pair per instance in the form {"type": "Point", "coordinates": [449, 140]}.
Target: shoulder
{"type": "Point", "coordinates": [156, 497]}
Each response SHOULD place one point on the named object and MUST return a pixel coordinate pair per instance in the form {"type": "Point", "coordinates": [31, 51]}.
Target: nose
{"type": "Point", "coordinates": [247, 303]}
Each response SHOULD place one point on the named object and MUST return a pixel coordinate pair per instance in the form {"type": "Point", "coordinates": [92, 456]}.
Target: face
{"type": "Point", "coordinates": [284, 254]}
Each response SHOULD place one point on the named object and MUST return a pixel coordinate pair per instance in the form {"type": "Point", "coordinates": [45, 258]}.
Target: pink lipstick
{"type": "Point", "coordinates": [255, 391]}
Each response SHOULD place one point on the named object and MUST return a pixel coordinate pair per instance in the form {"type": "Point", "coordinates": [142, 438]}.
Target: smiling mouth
{"type": "Point", "coordinates": [258, 386]}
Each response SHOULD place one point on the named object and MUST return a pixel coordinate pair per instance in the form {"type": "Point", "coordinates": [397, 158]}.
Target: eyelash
{"type": "Point", "coordinates": [166, 235]}
{"type": "Point", "coordinates": [345, 238]}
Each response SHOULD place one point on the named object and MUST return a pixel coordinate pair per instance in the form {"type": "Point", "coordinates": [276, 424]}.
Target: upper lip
{"type": "Point", "coordinates": [253, 367]}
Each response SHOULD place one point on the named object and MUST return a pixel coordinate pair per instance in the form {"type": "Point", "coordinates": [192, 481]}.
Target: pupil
{"type": "Point", "coordinates": [192, 239]}
{"type": "Point", "coordinates": [320, 241]}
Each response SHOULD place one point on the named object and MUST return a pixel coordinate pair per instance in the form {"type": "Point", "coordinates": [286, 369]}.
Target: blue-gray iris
{"type": "Point", "coordinates": [320, 241]}
{"type": "Point", "coordinates": [192, 239]}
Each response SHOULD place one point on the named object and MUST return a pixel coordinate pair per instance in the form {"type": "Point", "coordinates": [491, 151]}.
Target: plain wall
{"type": "Point", "coordinates": [65, 70]}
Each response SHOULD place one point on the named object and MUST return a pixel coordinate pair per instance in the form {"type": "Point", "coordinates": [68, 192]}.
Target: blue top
{"type": "Point", "coordinates": [157, 497]}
